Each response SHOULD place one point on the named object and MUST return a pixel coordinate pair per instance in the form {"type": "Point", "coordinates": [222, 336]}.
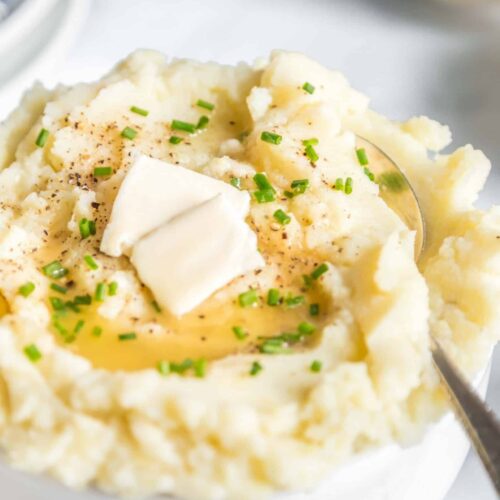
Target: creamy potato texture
{"type": "Point", "coordinates": [91, 409]}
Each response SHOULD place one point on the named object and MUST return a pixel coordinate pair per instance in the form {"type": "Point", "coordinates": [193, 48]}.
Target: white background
{"type": "Point", "coordinates": [410, 56]}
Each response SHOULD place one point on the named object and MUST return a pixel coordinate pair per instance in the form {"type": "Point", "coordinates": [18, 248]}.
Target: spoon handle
{"type": "Point", "coordinates": [478, 420]}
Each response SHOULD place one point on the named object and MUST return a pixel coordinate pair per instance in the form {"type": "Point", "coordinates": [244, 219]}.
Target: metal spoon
{"type": "Point", "coordinates": [480, 423]}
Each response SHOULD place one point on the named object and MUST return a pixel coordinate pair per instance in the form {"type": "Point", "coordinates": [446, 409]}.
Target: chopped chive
{"type": "Point", "coordinates": [316, 366]}
{"type": "Point", "coordinates": [42, 137]}
{"type": "Point", "coordinates": [308, 87]}
{"type": "Point", "coordinates": [55, 270]}
{"type": "Point", "coordinates": [298, 186]}
{"type": "Point", "coordinates": [58, 288]}
{"type": "Point", "coordinates": [239, 332]}
{"type": "Point", "coordinates": [262, 182]}
{"type": "Point", "coordinates": [112, 288]}
{"type": "Point", "coordinates": [181, 367]}
{"type": "Point", "coordinates": [129, 133]}
{"type": "Point", "coordinates": [70, 339]}
{"type": "Point", "coordinates": [362, 156]}
{"type": "Point", "coordinates": [89, 260]}
{"type": "Point", "coordinates": [79, 325]}
{"type": "Point", "coordinates": [202, 122]}
{"type": "Point", "coordinates": [248, 298]}
{"type": "Point", "coordinates": [96, 331]}
{"type": "Point", "coordinates": [156, 306]}
{"type": "Point", "coordinates": [274, 346]}
{"type": "Point", "coordinates": [184, 126]}
{"type": "Point", "coordinates": [200, 367]}
{"type": "Point", "coordinates": [100, 292]}
{"type": "Point", "coordinates": [32, 352]}
{"type": "Point", "coordinates": [27, 289]}
{"type": "Point", "coordinates": [83, 300]}
{"type": "Point", "coordinates": [127, 336]}
{"type": "Point", "coordinates": [306, 328]}
{"type": "Point", "coordinates": [311, 153]}
{"type": "Point", "coordinates": [163, 367]}
{"type": "Point", "coordinates": [314, 309]}
{"type": "Point", "coordinates": [282, 217]}
{"type": "Point", "coordinates": [319, 270]}
{"type": "Point", "coordinates": [264, 196]}
{"type": "Point", "coordinates": [310, 142]}
{"type": "Point", "coordinates": [339, 184]}
{"type": "Point", "coordinates": [57, 303]}
{"type": "Point", "coordinates": [102, 171]}
{"type": "Point", "coordinates": [308, 281]}
{"type": "Point", "coordinates": [62, 331]}
{"type": "Point", "coordinates": [235, 182]}
{"type": "Point", "coordinates": [71, 305]}
{"type": "Point", "coordinates": [271, 138]}
{"type": "Point", "coordinates": [348, 185]}
{"type": "Point", "coordinates": [87, 228]}
{"type": "Point", "coordinates": [175, 139]}
{"type": "Point", "coordinates": [139, 111]}
{"type": "Point", "coordinates": [273, 297]}
{"type": "Point", "coordinates": [204, 104]}
{"type": "Point", "coordinates": [292, 301]}
{"type": "Point", "coordinates": [369, 174]}
{"type": "Point", "coordinates": [255, 369]}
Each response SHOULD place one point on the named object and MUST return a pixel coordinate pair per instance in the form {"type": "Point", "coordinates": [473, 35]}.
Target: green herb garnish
{"type": "Point", "coordinates": [139, 111]}
{"type": "Point", "coordinates": [248, 298]}
{"type": "Point", "coordinates": [316, 366]}
{"type": "Point", "coordinates": [163, 367]}
{"type": "Point", "coordinates": [202, 122]}
{"type": "Point", "coordinates": [100, 292]}
{"type": "Point", "coordinates": [239, 332]}
{"type": "Point", "coordinates": [58, 288]}
{"type": "Point", "coordinates": [273, 297]}
{"type": "Point", "coordinates": [319, 271]}
{"type": "Point", "coordinates": [311, 153]}
{"type": "Point", "coordinates": [200, 367]}
{"type": "Point", "coordinates": [235, 182]}
{"type": "Point", "coordinates": [271, 138]}
{"type": "Point", "coordinates": [282, 217]}
{"type": "Point", "coordinates": [87, 228]}
{"type": "Point", "coordinates": [294, 301]}
{"type": "Point", "coordinates": [362, 156]}
{"type": "Point", "coordinates": [308, 87]}
{"type": "Point", "coordinates": [42, 137]}
{"type": "Point", "coordinates": [127, 336]}
{"type": "Point", "coordinates": [79, 325]}
{"type": "Point", "coordinates": [91, 263]}
{"type": "Point", "coordinates": [102, 171]}
{"type": "Point", "coordinates": [27, 289]}
{"type": "Point", "coordinates": [129, 133]}
{"type": "Point", "coordinates": [255, 369]}
{"type": "Point", "coordinates": [314, 309]}
{"type": "Point", "coordinates": [184, 126]}
{"type": "Point", "coordinates": [112, 288]}
{"type": "Point", "coordinates": [348, 186]}
{"type": "Point", "coordinates": [96, 331]}
{"type": "Point", "coordinates": [156, 306]}
{"type": "Point", "coordinates": [32, 352]}
{"type": "Point", "coordinates": [55, 270]}
{"type": "Point", "coordinates": [204, 104]}
{"type": "Point", "coordinates": [175, 139]}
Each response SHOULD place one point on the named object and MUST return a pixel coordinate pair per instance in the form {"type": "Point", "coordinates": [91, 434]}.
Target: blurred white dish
{"type": "Point", "coordinates": [42, 32]}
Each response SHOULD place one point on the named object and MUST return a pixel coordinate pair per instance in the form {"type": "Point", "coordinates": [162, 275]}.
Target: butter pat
{"type": "Point", "coordinates": [191, 256]}
{"type": "Point", "coordinates": [154, 192]}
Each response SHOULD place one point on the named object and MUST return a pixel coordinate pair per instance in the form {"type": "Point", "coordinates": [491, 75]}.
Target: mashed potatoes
{"type": "Point", "coordinates": [87, 408]}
